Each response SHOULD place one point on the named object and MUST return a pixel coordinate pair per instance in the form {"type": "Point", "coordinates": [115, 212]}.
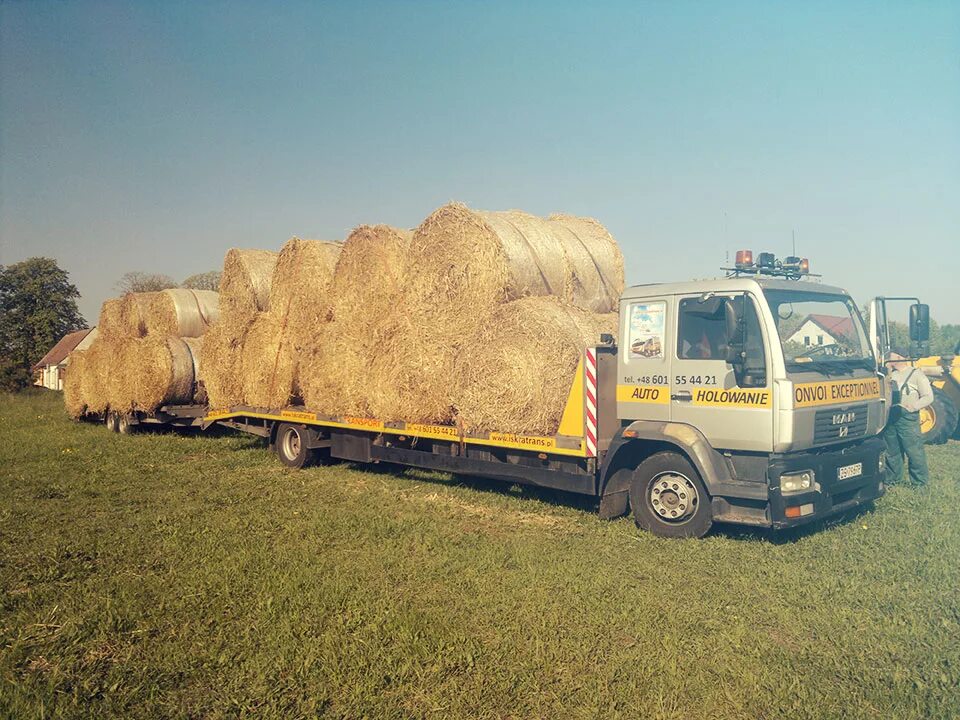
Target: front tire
{"type": "Point", "coordinates": [668, 497]}
{"type": "Point", "coordinates": [938, 421]}
{"type": "Point", "coordinates": [291, 445]}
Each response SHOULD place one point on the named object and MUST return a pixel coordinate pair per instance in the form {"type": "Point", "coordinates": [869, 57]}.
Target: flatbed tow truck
{"type": "Point", "coordinates": [717, 406]}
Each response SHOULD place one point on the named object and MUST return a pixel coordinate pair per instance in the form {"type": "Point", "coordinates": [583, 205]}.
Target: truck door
{"type": "Point", "coordinates": [704, 391]}
{"type": "Point", "coordinates": [643, 378]}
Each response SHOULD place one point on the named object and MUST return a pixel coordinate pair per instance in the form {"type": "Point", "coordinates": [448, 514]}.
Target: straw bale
{"type": "Point", "coordinates": [516, 374]}
{"type": "Point", "coordinates": [180, 311]}
{"type": "Point", "coordinates": [164, 372]}
{"type": "Point", "coordinates": [119, 367]}
{"type": "Point", "coordinates": [73, 399]}
{"type": "Point", "coordinates": [268, 366]}
{"type": "Point", "coordinates": [335, 376]}
{"type": "Point", "coordinates": [475, 259]}
{"type": "Point", "coordinates": [134, 308]}
{"type": "Point", "coordinates": [93, 377]}
{"type": "Point", "coordinates": [111, 319]}
{"type": "Point", "coordinates": [220, 368]}
{"type": "Point", "coordinates": [245, 284]}
{"type": "Point", "coordinates": [596, 262]}
{"type": "Point", "coordinates": [301, 278]}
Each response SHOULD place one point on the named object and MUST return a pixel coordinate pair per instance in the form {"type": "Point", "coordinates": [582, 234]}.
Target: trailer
{"type": "Point", "coordinates": [711, 409]}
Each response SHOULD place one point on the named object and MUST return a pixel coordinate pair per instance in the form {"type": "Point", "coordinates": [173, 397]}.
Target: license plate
{"type": "Point", "coordinates": [850, 471]}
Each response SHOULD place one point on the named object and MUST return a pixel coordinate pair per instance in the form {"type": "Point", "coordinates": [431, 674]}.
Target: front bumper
{"type": "Point", "coordinates": [830, 495]}
{"type": "Point", "coordinates": [765, 506]}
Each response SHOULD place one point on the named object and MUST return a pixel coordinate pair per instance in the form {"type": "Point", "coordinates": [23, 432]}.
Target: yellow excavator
{"type": "Point", "coordinates": [939, 420]}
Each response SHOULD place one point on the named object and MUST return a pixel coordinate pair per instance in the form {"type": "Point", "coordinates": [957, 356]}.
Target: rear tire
{"type": "Point", "coordinates": [668, 498]}
{"type": "Point", "coordinates": [938, 421]}
{"type": "Point", "coordinates": [291, 446]}
{"type": "Point", "coordinates": [111, 422]}
{"type": "Point", "coordinates": [125, 426]}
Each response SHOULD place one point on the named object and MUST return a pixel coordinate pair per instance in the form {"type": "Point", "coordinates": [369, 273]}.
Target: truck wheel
{"type": "Point", "coordinates": [111, 422]}
{"type": "Point", "coordinates": [668, 498]}
{"type": "Point", "coordinates": [124, 426]}
{"type": "Point", "coordinates": [938, 421]}
{"type": "Point", "coordinates": [291, 445]}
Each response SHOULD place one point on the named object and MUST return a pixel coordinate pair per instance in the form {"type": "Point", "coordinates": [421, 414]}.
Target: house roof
{"type": "Point", "coordinates": [58, 353]}
{"type": "Point", "coordinates": [836, 326]}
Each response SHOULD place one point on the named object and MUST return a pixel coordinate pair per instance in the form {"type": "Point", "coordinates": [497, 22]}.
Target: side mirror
{"type": "Point", "coordinates": [919, 323]}
{"type": "Point", "coordinates": [735, 355]}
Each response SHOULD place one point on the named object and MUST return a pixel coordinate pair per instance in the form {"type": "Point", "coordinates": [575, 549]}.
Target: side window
{"type": "Point", "coordinates": [702, 331]}
{"type": "Point", "coordinates": [645, 331]}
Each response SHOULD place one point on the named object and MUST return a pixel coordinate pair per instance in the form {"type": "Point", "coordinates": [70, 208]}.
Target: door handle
{"type": "Point", "coordinates": [682, 396]}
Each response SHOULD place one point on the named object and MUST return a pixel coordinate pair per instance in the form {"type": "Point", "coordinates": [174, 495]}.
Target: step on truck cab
{"type": "Point", "coordinates": [753, 399]}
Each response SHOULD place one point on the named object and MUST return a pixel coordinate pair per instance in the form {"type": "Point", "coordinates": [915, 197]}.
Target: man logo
{"type": "Point", "coordinates": [844, 418]}
{"type": "Point", "coordinates": [844, 431]}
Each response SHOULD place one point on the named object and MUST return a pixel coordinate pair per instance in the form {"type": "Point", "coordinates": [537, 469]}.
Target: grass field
{"type": "Point", "coordinates": [191, 576]}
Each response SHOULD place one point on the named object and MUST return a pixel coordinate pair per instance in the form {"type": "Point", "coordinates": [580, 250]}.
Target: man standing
{"type": "Point", "coordinates": [902, 433]}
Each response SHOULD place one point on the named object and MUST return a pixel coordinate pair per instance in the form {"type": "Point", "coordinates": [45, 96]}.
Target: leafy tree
{"type": "Point", "coordinates": [38, 306]}
{"type": "Point", "coordinates": [133, 282]}
{"type": "Point", "coordinates": [203, 281]}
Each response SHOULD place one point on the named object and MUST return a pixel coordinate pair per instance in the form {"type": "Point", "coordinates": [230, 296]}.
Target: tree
{"type": "Point", "coordinates": [133, 282]}
{"type": "Point", "coordinates": [38, 306]}
{"type": "Point", "coordinates": [203, 281]}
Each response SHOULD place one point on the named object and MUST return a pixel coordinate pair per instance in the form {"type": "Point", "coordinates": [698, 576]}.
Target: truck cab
{"type": "Point", "coordinates": [757, 394]}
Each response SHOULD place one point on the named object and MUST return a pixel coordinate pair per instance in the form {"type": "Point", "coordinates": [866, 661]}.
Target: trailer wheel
{"type": "Point", "coordinates": [124, 426]}
{"type": "Point", "coordinates": [291, 445]}
{"type": "Point", "coordinates": [111, 422]}
{"type": "Point", "coordinates": [668, 498]}
{"type": "Point", "coordinates": [938, 421]}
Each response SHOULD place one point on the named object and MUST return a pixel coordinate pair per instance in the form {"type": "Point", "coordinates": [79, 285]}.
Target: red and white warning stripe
{"type": "Point", "coordinates": [590, 388]}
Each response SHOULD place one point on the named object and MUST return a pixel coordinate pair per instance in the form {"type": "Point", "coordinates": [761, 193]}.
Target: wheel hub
{"type": "Point", "coordinates": [673, 497]}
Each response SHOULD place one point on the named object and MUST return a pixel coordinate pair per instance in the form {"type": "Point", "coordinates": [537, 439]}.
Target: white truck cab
{"type": "Point", "coordinates": [763, 384]}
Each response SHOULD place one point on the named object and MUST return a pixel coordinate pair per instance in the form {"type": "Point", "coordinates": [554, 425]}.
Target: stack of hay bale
{"type": "Point", "coordinates": [145, 355]}
{"type": "Point", "coordinates": [493, 313]}
{"type": "Point", "coordinates": [475, 318]}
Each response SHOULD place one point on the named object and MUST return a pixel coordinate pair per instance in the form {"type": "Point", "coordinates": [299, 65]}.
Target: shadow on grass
{"type": "Point", "coordinates": [548, 496]}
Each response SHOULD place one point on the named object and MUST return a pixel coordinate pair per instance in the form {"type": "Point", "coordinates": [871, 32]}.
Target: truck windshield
{"type": "Point", "coordinates": [819, 332]}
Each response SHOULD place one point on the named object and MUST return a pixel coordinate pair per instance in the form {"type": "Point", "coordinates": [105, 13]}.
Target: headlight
{"type": "Point", "coordinates": [796, 482]}
{"type": "Point", "coordinates": [882, 464]}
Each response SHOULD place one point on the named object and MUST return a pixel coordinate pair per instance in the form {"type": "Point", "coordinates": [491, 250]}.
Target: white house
{"type": "Point", "coordinates": [52, 368]}
{"type": "Point", "coordinates": [823, 330]}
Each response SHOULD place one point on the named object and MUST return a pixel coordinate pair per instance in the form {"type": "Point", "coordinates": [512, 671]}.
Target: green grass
{"type": "Point", "coordinates": [191, 576]}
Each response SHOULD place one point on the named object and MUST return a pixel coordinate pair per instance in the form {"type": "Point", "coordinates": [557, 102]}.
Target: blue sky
{"type": "Point", "coordinates": [155, 136]}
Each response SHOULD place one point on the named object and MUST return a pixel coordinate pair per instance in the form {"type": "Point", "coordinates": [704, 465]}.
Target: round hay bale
{"type": "Point", "coordinates": [111, 317]}
{"type": "Point", "coordinates": [134, 308]}
{"type": "Point", "coordinates": [180, 312]}
{"type": "Point", "coordinates": [93, 377]}
{"type": "Point", "coordinates": [334, 372]}
{"type": "Point", "coordinates": [120, 365]}
{"type": "Point", "coordinates": [596, 262]}
{"type": "Point", "coordinates": [220, 367]}
{"type": "Point", "coordinates": [323, 388]}
{"type": "Point", "coordinates": [268, 367]}
{"type": "Point", "coordinates": [73, 400]}
{"type": "Point", "coordinates": [245, 284]}
{"type": "Point", "coordinates": [464, 258]}
{"type": "Point", "coordinates": [165, 372]}
{"type": "Point", "coordinates": [303, 273]}
{"type": "Point", "coordinates": [369, 274]}
{"type": "Point", "coordinates": [516, 374]}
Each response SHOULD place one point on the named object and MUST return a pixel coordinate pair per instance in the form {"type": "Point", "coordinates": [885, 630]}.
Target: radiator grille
{"type": "Point", "coordinates": [833, 424]}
